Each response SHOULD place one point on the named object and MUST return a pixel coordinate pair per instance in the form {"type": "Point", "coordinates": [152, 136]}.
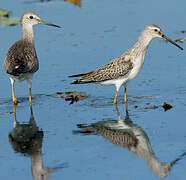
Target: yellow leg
{"type": "Point", "coordinates": [13, 93]}
{"type": "Point", "coordinates": [125, 95]}
{"type": "Point", "coordinates": [115, 105]}
{"type": "Point", "coordinates": [14, 109]}
{"type": "Point", "coordinates": [125, 99]}
{"type": "Point", "coordinates": [30, 97]}
{"type": "Point", "coordinates": [115, 98]}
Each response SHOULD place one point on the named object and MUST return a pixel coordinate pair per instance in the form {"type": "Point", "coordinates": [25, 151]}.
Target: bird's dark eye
{"type": "Point", "coordinates": [155, 30]}
{"type": "Point", "coordinates": [31, 17]}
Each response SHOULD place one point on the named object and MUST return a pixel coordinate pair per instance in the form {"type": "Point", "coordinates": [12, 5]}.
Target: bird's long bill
{"type": "Point", "coordinates": [171, 41]}
{"type": "Point", "coordinates": [49, 24]}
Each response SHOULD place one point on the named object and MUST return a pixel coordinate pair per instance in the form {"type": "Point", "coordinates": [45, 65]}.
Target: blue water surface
{"type": "Point", "coordinates": [90, 36]}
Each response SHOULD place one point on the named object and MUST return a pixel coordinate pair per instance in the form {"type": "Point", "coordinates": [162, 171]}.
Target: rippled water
{"type": "Point", "coordinates": [106, 144]}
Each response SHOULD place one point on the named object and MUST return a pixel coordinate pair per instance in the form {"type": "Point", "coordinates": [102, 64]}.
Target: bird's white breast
{"type": "Point", "coordinates": [138, 63]}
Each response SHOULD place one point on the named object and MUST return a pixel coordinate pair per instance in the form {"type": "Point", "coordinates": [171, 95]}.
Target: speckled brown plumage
{"type": "Point", "coordinates": [115, 69]}
{"type": "Point", "coordinates": [126, 67]}
{"type": "Point", "coordinates": [121, 137]}
{"type": "Point", "coordinates": [118, 137]}
{"type": "Point", "coordinates": [21, 58]}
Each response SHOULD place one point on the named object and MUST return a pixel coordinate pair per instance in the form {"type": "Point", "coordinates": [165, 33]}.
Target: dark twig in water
{"type": "Point", "coordinates": [167, 106]}
{"type": "Point", "coordinates": [183, 31]}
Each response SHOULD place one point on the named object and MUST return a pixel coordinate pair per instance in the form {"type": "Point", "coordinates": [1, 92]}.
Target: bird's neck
{"type": "Point", "coordinates": [28, 33]}
{"type": "Point", "coordinates": [145, 39]}
{"type": "Point", "coordinates": [142, 44]}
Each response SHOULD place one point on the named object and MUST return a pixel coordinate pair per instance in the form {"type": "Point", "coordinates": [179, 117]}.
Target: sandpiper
{"type": "Point", "coordinates": [126, 67]}
{"type": "Point", "coordinates": [21, 60]}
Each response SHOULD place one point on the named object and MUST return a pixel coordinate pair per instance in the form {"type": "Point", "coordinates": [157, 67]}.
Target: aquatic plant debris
{"type": "Point", "coordinates": [71, 96]}
{"type": "Point", "coordinates": [4, 13]}
{"type": "Point", "coordinates": [167, 106]}
{"type": "Point", "coordinates": [181, 40]}
{"type": "Point", "coordinates": [75, 2]}
{"type": "Point", "coordinates": [9, 22]}
{"type": "Point", "coordinates": [5, 20]}
{"type": "Point", "coordinates": [183, 31]}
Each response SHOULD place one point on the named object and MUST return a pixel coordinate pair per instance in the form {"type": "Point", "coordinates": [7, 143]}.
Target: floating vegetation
{"type": "Point", "coordinates": [75, 2]}
{"type": "Point", "coordinates": [181, 40]}
{"type": "Point", "coordinates": [183, 31]}
{"type": "Point", "coordinates": [167, 106]}
{"type": "Point", "coordinates": [9, 22]}
{"type": "Point", "coordinates": [74, 44]}
{"type": "Point", "coordinates": [5, 20]}
{"type": "Point", "coordinates": [4, 13]}
{"type": "Point", "coordinates": [70, 96]}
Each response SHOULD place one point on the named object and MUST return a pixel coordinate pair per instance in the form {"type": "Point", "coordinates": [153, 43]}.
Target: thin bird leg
{"type": "Point", "coordinates": [30, 97]}
{"type": "Point", "coordinates": [14, 109]}
{"type": "Point", "coordinates": [125, 99]}
{"type": "Point", "coordinates": [32, 121]}
{"type": "Point", "coordinates": [29, 81]}
{"type": "Point", "coordinates": [118, 114]}
{"type": "Point", "coordinates": [13, 92]}
{"type": "Point", "coordinates": [115, 98]}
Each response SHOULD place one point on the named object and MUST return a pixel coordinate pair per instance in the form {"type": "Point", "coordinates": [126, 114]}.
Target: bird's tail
{"type": "Point", "coordinates": [83, 78]}
{"type": "Point", "coordinates": [81, 81]}
{"type": "Point", "coordinates": [78, 75]}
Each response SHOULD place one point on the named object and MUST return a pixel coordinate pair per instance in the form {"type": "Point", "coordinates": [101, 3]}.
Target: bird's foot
{"type": "Point", "coordinates": [115, 101]}
{"type": "Point", "coordinates": [15, 101]}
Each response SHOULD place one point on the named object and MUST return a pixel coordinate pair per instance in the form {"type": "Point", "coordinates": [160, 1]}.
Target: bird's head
{"type": "Point", "coordinates": [33, 18]}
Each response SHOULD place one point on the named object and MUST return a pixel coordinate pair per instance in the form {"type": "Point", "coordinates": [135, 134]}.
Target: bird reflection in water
{"type": "Point", "coordinates": [27, 139]}
{"type": "Point", "coordinates": [126, 134]}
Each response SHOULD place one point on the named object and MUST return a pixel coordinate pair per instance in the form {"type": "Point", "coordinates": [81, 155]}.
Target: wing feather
{"type": "Point", "coordinates": [117, 68]}
{"type": "Point", "coordinates": [21, 58]}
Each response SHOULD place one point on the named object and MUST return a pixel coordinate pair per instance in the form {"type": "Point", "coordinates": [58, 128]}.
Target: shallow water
{"type": "Point", "coordinates": [90, 36]}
